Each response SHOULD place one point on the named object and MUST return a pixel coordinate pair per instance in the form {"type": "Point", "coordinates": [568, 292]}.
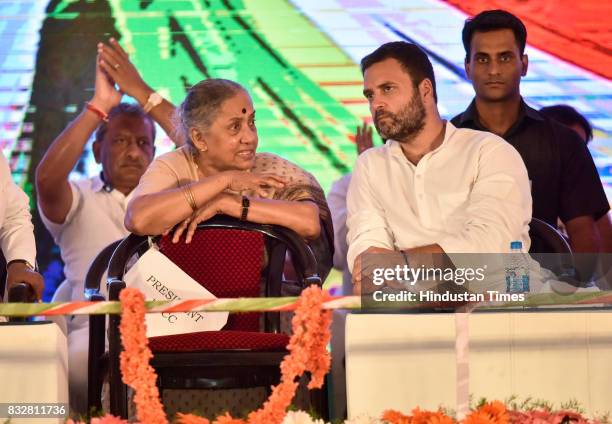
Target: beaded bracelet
{"type": "Point", "coordinates": [100, 113]}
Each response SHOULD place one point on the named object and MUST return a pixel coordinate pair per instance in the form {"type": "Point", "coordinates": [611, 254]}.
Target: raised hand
{"type": "Point", "coordinates": [116, 63]}
{"type": "Point", "coordinates": [363, 138]}
{"type": "Point", "coordinates": [105, 95]}
{"type": "Point", "coordinates": [260, 183]}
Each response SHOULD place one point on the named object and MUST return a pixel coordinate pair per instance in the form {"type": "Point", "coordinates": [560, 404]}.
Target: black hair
{"type": "Point", "coordinates": [412, 58]}
{"type": "Point", "coordinates": [492, 20]}
{"type": "Point", "coordinates": [125, 109]}
{"type": "Point", "coordinates": [568, 116]}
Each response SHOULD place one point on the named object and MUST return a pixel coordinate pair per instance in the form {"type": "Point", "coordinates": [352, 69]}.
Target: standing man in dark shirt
{"type": "Point", "coordinates": [564, 180]}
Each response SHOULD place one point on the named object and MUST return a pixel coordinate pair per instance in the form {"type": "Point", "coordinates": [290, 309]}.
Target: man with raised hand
{"type": "Point", "coordinates": [85, 216]}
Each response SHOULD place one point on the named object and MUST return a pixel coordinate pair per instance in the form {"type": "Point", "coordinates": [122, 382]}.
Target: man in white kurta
{"type": "Point", "coordinates": [432, 188]}
{"type": "Point", "coordinates": [17, 233]}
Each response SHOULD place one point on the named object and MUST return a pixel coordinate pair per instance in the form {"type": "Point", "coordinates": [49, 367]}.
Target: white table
{"type": "Point", "coordinates": [403, 361]}
{"type": "Point", "coordinates": [33, 366]}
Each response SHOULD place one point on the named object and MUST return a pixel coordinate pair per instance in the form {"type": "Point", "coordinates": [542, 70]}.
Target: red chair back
{"type": "Point", "coordinates": [227, 262]}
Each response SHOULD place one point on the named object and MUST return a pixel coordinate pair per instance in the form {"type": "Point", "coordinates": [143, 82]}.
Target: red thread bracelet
{"type": "Point", "coordinates": [101, 114]}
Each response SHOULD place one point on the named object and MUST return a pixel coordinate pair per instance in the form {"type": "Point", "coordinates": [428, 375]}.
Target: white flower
{"type": "Point", "coordinates": [300, 417]}
{"type": "Point", "coordinates": [363, 419]}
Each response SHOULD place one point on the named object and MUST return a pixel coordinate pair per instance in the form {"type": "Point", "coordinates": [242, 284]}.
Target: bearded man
{"type": "Point", "coordinates": [432, 188]}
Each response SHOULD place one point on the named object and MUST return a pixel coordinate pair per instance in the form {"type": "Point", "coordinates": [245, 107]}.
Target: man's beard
{"type": "Point", "coordinates": [403, 126]}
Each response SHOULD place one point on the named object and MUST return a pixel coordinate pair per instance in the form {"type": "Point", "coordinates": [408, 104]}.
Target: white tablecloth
{"type": "Point", "coordinates": [33, 366]}
{"type": "Point", "coordinates": [404, 361]}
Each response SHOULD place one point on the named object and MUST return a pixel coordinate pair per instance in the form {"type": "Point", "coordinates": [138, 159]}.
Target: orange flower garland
{"type": "Point", "coordinates": [417, 417]}
{"type": "Point", "coordinates": [395, 417]}
{"type": "Point", "coordinates": [494, 412]}
{"type": "Point", "coordinates": [135, 368]}
{"type": "Point", "coordinates": [227, 419]}
{"type": "Point", "coordinates": [190, 419]}
{"type": "Point", "coordinates": [307, 352]}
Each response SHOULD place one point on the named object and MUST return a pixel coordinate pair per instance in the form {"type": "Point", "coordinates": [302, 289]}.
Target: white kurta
{"type": "Point", "coordinates": [16, 230]}
{"type": "Point", "coordinates": [469, 195]}
{"type": "Point", "coordinates": [94, 221]}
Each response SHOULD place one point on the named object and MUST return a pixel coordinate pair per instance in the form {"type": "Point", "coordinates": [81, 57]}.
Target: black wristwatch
{"type": "Point", "coordinates": [245, 208]}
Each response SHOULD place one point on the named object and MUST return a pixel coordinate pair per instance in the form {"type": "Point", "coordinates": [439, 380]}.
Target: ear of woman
{"type": "Point", "coordinates": [198, 139]}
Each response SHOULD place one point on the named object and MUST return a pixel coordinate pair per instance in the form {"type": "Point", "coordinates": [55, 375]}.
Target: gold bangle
{"type": "Point", "coordinates": [193, 203]}
{"type": "Point", "coordinates": [190, 198]}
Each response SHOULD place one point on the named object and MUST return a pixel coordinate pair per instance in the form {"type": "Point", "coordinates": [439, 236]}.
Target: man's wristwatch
{"type": "Point", "coordinates": [154, 99]}
{"type": "Point", "coordinates": [22, 261]}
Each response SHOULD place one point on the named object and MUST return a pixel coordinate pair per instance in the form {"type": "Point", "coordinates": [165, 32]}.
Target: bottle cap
{"type": "Point", "coordinates": [516, 245]}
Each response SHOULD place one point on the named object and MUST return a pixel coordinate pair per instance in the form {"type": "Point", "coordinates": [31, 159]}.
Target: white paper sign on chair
{"type": "Point", "coordinates": [160, 279]}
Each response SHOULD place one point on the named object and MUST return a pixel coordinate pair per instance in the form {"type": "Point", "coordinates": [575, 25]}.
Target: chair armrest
{"type": "Point", "coordinates": [97, 269]}
{"type": "Point", "coordinates": [303, 258]}
{"type": "Point", "coordinates": [312, 279]}
{"type": "Point", "coordinates": [120, 256]}
{"type": "Point", "coordinates": [93, 295]}
{"type": "Point", "coordinates": [115, 286]}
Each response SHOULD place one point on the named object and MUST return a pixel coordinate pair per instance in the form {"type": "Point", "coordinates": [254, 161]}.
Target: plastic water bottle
{"type": "Point", "coordinates": [517, 270]}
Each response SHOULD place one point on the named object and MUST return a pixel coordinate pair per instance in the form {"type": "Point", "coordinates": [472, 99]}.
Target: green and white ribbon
{"type": "Point", "coordinates": [263, 304]}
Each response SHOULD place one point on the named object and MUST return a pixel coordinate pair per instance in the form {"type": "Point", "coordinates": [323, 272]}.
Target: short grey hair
{"type": "Point", "coordinates": [202, 104]}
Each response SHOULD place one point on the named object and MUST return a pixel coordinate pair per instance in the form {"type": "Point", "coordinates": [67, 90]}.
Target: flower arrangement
{"type": "Point", "coordinates": [307, 352]}
{"type": "Point", "coordinates": [136, 371]}
{"type": "Point", "coordinates": [496, 412]}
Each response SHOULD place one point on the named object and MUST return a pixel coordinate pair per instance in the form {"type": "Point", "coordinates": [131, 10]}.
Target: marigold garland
{"type": "Point", "coordinates": [489, 413]}
{"type": "Point", "coordinates": [395, 417]}
{"type": "Point", "coordinates": [136, 371]}
{"type": "Point", "coordinates": [307, 352]}
{"type": "Point", "coordinates": [494, 412]}
{"type": "Point", "coordinates": [190, 419]}
{"type": "Point", "coordinates": [417, 417]}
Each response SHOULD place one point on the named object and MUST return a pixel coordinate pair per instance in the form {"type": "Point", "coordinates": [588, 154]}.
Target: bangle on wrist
{"type": "Point", "coordinates": [188, 193]}
{"type": "Point", "coordinates": [245, 208]}
{"type": "Point", "coordinates": [98, 112]}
